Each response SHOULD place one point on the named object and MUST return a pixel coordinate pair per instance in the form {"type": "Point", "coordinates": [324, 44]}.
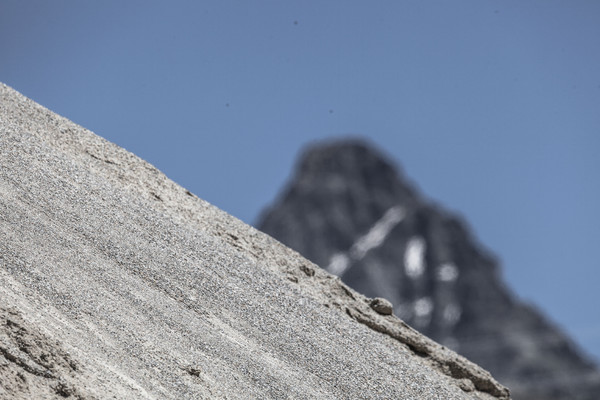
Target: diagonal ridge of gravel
{"type": "Point", "coordinates": [133, 287]}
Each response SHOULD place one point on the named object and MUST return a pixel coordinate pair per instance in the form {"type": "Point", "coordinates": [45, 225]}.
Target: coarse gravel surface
{"type": "Point", "coordinates": [115, 282]}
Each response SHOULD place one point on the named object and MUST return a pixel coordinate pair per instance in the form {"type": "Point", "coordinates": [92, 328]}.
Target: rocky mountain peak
{"type": "Point", "coordinates": [348, 209]}
{"type": "Point", "coordinates": [333, 165]}
{"type": "Point", "coordinates": [349, 181]}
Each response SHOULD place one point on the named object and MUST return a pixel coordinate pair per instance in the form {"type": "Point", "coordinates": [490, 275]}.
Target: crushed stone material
{"type": "Point", "coordinates": [115, 282]}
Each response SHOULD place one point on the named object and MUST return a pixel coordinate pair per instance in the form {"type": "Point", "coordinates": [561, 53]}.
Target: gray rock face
{"type": "Point", "coordinates": [117, 283]}
{"type": "Point", "coordinates": [349, 210]}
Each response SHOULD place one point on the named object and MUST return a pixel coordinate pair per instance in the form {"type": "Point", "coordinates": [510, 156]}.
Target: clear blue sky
{"type": "Point", "coordinates": [491, 107]}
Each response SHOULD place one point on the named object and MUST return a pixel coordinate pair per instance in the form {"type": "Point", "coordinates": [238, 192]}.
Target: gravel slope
{"type": "Point", "coordinates": [117, 283]}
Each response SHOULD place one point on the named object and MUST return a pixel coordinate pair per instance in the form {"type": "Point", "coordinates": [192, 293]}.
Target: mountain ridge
{"type": "Point", "coordinates": [350, 210]}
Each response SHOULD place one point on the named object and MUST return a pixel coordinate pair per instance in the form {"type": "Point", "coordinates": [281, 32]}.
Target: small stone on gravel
{"type": "Point", "coordinates": [382, 306]}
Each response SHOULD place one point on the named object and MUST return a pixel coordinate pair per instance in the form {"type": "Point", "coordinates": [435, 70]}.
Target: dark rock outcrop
{"type": "Point", "coordinates": [350, 210]}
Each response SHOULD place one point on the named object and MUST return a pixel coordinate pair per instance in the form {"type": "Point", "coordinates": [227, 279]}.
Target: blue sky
{"type": "Point", "coordinates": [491, 107]}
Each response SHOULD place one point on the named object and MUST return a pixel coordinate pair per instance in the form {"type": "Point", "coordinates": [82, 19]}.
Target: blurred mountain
{"type": "Point", "coordinates": [351, 211]}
